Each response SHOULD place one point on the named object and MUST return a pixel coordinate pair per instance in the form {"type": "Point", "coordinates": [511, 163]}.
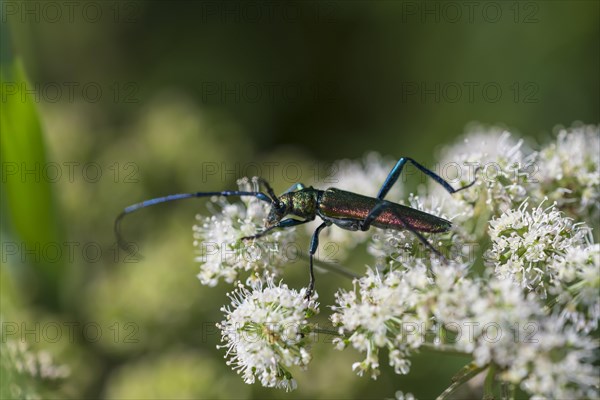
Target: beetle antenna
{"type": "Point", "coordinates": [276, 202]}
{"type": "Point", "coordinates": [172, 197]}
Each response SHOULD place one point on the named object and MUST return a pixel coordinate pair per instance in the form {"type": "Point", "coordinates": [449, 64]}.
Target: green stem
{"type": "Point", "coordinates": [334, 268]}
{"type": "Point", "coordinates": [574, 290]}
{"type": "Point", "coordinates": [488, 386]}
{"type": "Point", "coordinates": [508, 391]}
{"type": "Point", "coordinates": [327, 332]}
{"type": "Point", "coordinates": [463, 376]}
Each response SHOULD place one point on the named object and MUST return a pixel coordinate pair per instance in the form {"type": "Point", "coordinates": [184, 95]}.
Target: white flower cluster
{"type": "Point", "coordinates": [376, 317]}
{"type": "Point", "coordinates": [504, 171]}
{"type": "Point", "coordinates": [222, 253]}
{"type": "Point", "coordinates": [266, 331]}
{"type": "Point", "coordinates": [542, 250]}
{"type": "Point", "coordinates": [526, 244]}
{"type": "Point", "coordinates": [558, 363]}
{"type": "Point", "coordinates": [36, 365]}
{"type": "Point", "coordinates": [529, 319]}
{"type": "Point", "coordinates": [25, 372]}
{"type": "Point", "coordinates": [569, 171]}
{"type": "Point", "coordinates": [406, 309]}
{"type": "Point", "coordinates": [579, 285]}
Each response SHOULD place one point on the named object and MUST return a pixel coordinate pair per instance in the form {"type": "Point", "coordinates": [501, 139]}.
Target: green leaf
{"type": "Point", "coordinates": [29, 219]}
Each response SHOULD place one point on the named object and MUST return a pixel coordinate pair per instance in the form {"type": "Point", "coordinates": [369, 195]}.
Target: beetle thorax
{"type": "Point", "coordinates": [302, 203]}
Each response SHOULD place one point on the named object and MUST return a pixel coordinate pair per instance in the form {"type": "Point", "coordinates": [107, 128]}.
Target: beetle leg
{"type": "Point", "coordinates": [395, 174]}
{"type": "Point", "coordinates": [373, 214]}
{"type": "Point", "coordinates": [286, 223]}
{"type": "Point", "coordinates": [314, 244]}
{"type": "Point", "coordinates": [424, 240]}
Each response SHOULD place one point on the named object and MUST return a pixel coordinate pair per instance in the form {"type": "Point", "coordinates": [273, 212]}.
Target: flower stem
{"type": "Point", "coordinates": [463, 376]}
{"type": "Point", "coordinates": [488, 386]}
{"type": "Point", "coordinates": [508, 391]}
{"type": "Point", "coordinates": [327, 332]}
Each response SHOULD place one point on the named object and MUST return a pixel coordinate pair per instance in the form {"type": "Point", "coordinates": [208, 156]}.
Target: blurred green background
{"type": "Point", "coordinates": [123, 101]}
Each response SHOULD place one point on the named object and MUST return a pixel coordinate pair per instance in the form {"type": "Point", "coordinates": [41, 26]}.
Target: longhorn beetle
{"type": "Point", "coordinates": [347, 210]}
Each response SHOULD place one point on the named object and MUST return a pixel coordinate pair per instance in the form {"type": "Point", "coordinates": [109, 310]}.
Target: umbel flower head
{"type": "Point", "coordinates": [371, 316]}
{"type": "Point", "coordinates": [406, 309]}
{"type": "Point", "coordinates": [37, 365]}
{"type": "Point", "coordinates": [25, 371]}
{"type": "Point", "coordinates": [266, 331]}
{"type": "Point", "coordinates": [568, 172]}
{"type": "Point", "coordinates": [504, 171]}
{"type": "Point", "coordinates": [578, 285]}
{"type": "Point", "coordinates": [543, 250]}
{"type": "Point", "coordinates": [526, 243]}
{"type": "Point", "coordinates": [222, 253]}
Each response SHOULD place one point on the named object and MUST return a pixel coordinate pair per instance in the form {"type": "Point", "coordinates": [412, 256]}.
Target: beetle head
{"type": "Point", "coordinates": [279, 209]}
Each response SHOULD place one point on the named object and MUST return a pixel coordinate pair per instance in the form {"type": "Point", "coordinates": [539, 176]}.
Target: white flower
{"type": "Point", "coordinates": [24, 371]}
{"type": "Point", "coordinates": [35, 364]}
{"type": "Point", "coordinates": [222, 253]}
{"type": "Point", "coordinates": [578, 285]}
{"type": "Point", "coordinates": [569, 171]}
{"type": "Point", "coordinates": [404, 396]}
{"type": "Point", "coordinates": [502, 318]}
{"type": "Point", "coordinates": [392, 311]}
{"type": "Point", "coordinates": [525, 244]}
{"type": "Point", "coordinates": [559, 362]}
{"type": "Point", "coordinates": [536, 351]}
{"type": "Point", "coordinates": [503, 175]}
{"type": "Point", "coordinates": [266, 332]}
{"type": "Point", "coordinates": [492, 320]}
